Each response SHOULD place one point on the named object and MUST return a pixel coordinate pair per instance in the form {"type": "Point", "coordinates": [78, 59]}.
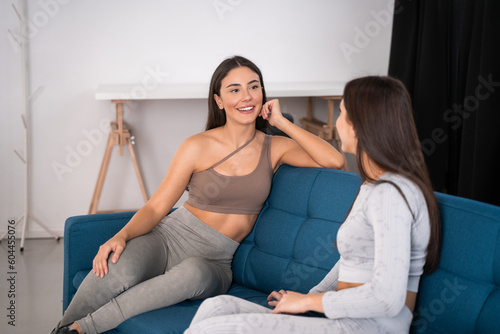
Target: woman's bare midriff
{"type": "Point", "coordinates": [411, 297]}
{"type": "Point", "coordinates": [234, 226]}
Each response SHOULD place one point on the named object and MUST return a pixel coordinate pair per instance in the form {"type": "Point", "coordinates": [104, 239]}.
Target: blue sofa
{"type": "Point", "coordinates": [292, 247]}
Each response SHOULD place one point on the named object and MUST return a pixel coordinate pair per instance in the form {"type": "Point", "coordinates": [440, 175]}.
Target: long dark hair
{"type": "Point", "coordinates": [216, 116]}
{"type": "Point", "coordinates": [380, 111]}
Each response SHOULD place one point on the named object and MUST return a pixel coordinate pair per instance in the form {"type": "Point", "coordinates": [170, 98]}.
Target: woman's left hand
{"type": "Point", "coordinates": [271, 111]}
{"type": "Point", "coordinates": [292, 303]}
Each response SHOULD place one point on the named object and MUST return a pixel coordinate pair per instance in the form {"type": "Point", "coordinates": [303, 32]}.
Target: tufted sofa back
{"type": "Point", "coordinates": [292, 245]}
{"type": "Point", "coordinates": [463, 294]}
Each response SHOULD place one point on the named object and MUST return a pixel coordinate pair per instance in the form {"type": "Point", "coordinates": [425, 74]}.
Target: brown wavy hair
{"type": "Point", "coordinates": [380, 111]}
{"type": "Point", "coordinates": [216, 116]}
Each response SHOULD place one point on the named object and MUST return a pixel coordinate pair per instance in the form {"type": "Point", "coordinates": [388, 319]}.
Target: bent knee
{"type": "Point", "coordinates": [197, 268]}
{"type": "Point", "coordinates": [204, 277]}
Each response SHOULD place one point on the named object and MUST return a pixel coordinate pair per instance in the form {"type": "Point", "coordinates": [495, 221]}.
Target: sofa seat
{"type": "Point", "coordinates": [173, 320]}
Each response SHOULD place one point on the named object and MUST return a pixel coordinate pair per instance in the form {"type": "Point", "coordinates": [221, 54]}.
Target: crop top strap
{"type": "Point", "coordinates": [234, 152]}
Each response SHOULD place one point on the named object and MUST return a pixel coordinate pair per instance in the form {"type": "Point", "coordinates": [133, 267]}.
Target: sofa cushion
{"type": "Point", "coordinates": [463, 295]}
{"type": "Point", "coordinates": [292, 245]}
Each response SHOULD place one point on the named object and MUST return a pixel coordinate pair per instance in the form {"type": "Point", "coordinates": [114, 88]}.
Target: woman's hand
{"type": "Point", "coordinates": [293, 302]}
{"type": "Point", "coordinates": [271, 111]}
{"type": "Point", "coordinates": [100, 264]}
{"type": "Point", "coordinates": [305, 149]}
{"type": "Point", "coordinates": [274, 298]}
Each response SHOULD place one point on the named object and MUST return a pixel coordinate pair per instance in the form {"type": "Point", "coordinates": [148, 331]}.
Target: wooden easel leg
{"type": "Point", "coordinates": [119, 122]}
{"type": "Point", "coordinates": [102, 173]}
{"type": "Point", "coordinates": [119, 135]}
{"type": "Point", "coordinates": [309, 110]}
{"type": "Point", "coordinates": [136, 167]}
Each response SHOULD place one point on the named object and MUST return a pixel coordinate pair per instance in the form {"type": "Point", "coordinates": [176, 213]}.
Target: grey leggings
{"type": "Point", "coordinates": [228, 314]}
{"type": "Point", "coordinates": [182, 258]}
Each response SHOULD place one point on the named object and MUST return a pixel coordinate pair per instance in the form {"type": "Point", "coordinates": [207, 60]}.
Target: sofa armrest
{"type": "Point", "coordinates": [83, 235]}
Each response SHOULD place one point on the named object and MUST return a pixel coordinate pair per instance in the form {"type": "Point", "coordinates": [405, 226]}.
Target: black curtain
{"type": "Point", "coordinates": [447, 52]}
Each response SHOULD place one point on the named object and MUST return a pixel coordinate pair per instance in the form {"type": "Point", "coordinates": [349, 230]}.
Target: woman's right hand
{"type": "Point", "coordinates": [275, 297]}
{"type": "Point", "coordinates": [100, 264]}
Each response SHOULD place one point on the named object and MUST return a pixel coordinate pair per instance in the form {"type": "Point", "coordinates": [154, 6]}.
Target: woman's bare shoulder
{"type": "Point", "coordinates": [201, 140]}
{"type": "Point", "coordinates": [280, 144]}
{"type": "Point", "coordinates": [199, 146]}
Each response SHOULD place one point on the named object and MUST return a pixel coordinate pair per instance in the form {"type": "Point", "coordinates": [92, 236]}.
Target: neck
{"type": "Point", "coordinates": [372, 170]}
{"type": "Point", "coordinates": [239, 135]}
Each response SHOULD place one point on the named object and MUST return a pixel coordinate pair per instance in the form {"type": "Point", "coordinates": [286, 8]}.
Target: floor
{"type": "Point", "coordinates": [37, 285]}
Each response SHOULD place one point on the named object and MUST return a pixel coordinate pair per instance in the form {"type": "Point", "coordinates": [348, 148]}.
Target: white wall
{"type": "Point", "coordinates": [77, 45]}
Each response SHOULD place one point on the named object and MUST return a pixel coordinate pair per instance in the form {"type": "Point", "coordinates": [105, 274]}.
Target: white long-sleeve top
{"type": "Point", "coordinates": [381, 244]}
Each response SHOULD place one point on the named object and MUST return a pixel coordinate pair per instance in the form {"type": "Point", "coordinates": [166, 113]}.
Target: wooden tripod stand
{"type": "Point", "coordinates": [118, 135]}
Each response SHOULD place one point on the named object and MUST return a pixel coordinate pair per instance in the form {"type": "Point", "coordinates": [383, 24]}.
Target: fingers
{"type": "Point", "coordinates": [275, 297]}
{"type": "Point", "coordinates": [100, 265]}
{"type": "Point", "coordinates": [277, 306]}
{"type": "Point", "coordinates": [269, 107]}
{"type": "Point", "coordinates": [273, 303]}
{"type": "Point", "coordinates": [116, 254]}
{"type": "Point", "coordinates": [264, 113]}
{"type": "Point", "coordinates": [290, 303]}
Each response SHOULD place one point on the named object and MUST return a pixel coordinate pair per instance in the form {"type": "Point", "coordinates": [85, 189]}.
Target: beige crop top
{"type": "Point", "coordinates": [246, 194]}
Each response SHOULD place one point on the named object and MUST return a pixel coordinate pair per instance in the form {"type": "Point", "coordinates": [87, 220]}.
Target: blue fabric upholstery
{"type": "Point", "coordinates": [463, 295]}
{"type": "Point", "coordinates": [82, 237]}
{"type": "Point", "coordinates": [292, 244]}
{"type": "Point", "coordinates": [292, 247]}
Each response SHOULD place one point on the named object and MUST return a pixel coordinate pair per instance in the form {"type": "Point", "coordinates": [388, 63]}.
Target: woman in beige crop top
{"type": "Point", "coordinates": [238, 115]}
{"type": "Point", "coordinates": [237, 106]}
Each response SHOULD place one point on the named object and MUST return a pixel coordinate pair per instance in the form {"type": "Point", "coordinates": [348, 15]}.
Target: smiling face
{"type": "Point", "coordinates": [240, 95]}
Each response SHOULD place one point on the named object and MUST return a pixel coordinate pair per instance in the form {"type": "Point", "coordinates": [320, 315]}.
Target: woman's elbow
{"type": "Point", "coordinates": [392, 307]}
{"type": "Point", "coordinates": [335, 162]}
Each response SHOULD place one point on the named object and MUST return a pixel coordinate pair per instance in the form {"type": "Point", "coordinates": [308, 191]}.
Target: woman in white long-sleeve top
{"type": "Point", "coordinates": [389, 238]}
